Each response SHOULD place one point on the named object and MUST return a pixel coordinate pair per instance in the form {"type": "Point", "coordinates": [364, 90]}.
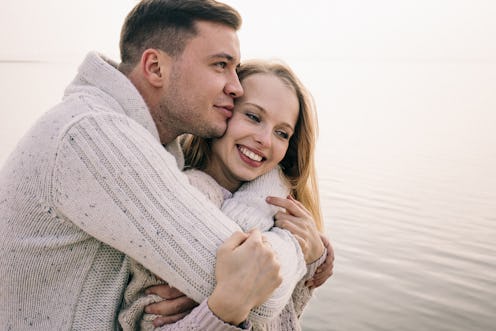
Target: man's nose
{"type": "Point", "coordinates": [233, 86]}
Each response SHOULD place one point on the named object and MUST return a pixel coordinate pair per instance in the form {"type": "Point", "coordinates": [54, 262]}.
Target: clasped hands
{"type": "Point", "coordinates": [296, 219]}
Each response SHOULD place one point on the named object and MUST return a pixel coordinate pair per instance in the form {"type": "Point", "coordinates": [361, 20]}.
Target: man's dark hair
{"type": "Point", "coordinates": [167, 25]}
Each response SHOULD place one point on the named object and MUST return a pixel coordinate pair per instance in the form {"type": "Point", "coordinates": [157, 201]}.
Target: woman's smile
{"type": "Point", "coordinates": [254, 158]}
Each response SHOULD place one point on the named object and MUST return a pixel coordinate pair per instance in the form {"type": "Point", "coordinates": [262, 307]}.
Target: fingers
{"type": "Point", "coordinates": [324, 271]}
{"type": "Point", "coordinates": [254, 236]}
{"type": "Point", "coordinates": [164, 291]}
{"type": "Point", "coordinates": [247, 275]}
{"type": "Point", "coordinates": [171, 307]}
{"type": "Point", "coordinates": [319, 278]}
{"type": "Point", "coordinates": [330, 252]}
{"type": "Point", "coordinates": [295, 227]}
{"type": "Point", "coordinates": [299, 204]}
{"type": "Point", "coordinates": [291, 205]}
{"type": "Point", "coordinates": [162, 320]}
{"type": "Point", "coordinates": [325, 241]}
{"type": "Point", "coordinates": [236, 239]}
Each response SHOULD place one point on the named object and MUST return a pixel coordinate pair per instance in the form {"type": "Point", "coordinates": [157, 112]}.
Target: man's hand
{"type": "Point", "coordinates": [174, 307]}
{"type": "Point", "coordinates": [247, 273]}
{"type": "Point", "coordinates": [324, 271]}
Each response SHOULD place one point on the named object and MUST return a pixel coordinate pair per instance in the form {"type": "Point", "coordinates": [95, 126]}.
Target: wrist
{"type": "Point", "coordinates": [229, 311]}
{"type": "Point", "coordinates": [317, 253]}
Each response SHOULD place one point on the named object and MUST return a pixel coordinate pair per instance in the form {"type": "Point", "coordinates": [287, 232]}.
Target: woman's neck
{"type": "Point", "coordinates": [220, 177]}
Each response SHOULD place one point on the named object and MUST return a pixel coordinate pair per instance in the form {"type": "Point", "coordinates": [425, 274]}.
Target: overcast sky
{"type": "Point", "coordinates": [378, 69]}
{"type": "Point", "coordinates": [64, 30]}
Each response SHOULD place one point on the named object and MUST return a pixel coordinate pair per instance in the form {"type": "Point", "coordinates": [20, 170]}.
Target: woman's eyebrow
{"type": "Point", "coordinates": [262, 110]}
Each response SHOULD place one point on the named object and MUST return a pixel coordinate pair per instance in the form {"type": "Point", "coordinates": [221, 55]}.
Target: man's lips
{"type": "Point", "coordinates": [226, 110]}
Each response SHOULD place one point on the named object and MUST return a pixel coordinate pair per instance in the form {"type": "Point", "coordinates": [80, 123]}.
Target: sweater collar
{"type": "Point", "coordinates": [103, 74]}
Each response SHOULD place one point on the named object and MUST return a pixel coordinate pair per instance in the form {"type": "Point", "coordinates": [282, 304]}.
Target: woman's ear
{"type": "Point", "coordinates": [155, 65]}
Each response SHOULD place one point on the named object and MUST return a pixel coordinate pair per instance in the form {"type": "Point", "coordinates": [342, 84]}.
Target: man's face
{"type": "Point", "coordinates": [203, 82]}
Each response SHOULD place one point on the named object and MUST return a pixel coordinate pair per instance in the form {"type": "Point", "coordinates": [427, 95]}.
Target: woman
{"type": "Point", "coordinates": [272, 131]}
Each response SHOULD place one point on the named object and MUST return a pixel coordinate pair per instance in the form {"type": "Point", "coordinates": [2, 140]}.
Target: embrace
{"type": "Point", "coordinates": [175, 190]}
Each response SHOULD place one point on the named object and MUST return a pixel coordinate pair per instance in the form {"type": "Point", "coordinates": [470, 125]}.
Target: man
{"type": "Point", "coordinates": [91, 183]}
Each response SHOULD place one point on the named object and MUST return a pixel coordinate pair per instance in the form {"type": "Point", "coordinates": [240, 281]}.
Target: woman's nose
{"type": "Point", "coordinates": [264, 137]}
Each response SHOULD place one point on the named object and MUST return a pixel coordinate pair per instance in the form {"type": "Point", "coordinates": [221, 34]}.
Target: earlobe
{"type": "Point", "coordinates": [153, 65]}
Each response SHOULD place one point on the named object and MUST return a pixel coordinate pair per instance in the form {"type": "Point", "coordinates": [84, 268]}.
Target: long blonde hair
{"type": "Point", "coordinates": [298, 164]}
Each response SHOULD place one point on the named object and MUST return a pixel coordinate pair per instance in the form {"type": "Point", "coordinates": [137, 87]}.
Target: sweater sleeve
{"type": "Point", "coordinates": [202, 318]}
{"type": "Point", "coordinates": [114, 181]}
{"type": "Point", "coordinates": [302, 294]}
{"type": "Point", "coordinates": [250, 210]}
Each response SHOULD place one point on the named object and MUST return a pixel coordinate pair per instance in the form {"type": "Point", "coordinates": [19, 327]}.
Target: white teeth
{"type": "Point", "coordinates": [250, 154]}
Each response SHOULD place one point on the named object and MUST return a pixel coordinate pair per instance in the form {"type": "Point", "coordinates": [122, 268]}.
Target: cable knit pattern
{"type": "Point", "coordinates": [135, 300]}
{"type": "Point", "coordinates": [251, 197]}
{"type": "Point", "coordinates": [89, 184]}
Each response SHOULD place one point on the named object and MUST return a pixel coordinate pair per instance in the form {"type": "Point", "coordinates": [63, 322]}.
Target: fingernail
{"type": "Point", "coordinates": [147, 310]}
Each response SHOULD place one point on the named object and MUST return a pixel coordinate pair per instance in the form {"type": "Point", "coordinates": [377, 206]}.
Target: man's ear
{"type": "Point", "coordinates": [155, 66]}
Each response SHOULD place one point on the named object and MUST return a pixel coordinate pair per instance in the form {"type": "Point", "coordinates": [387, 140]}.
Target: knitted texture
{"type": "Point", "coordinates": [208, 186]}
{"type": "Point", "coordinates": [88, 184]}
{"type": "Point", "coordinates": [135, 300]}
{"type": "Point", "coordinates": [249, 209]}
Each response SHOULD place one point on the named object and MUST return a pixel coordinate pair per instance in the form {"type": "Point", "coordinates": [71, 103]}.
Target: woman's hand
{"type": "Point", "coordinates": [324, 271]}
{"type": "Point", "coordinates": [299, 221]}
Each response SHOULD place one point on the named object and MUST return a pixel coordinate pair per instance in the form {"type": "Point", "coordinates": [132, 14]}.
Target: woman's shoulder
{"type": "Point", "coordinates": [207, 185]}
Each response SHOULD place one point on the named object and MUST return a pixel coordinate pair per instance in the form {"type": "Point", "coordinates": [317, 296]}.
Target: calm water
{"type": "Point", "coordinates": [407, 165]}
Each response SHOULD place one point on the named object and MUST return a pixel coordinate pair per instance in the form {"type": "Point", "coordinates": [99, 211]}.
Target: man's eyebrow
{"type": "Point", "coordinates": [226, 56]}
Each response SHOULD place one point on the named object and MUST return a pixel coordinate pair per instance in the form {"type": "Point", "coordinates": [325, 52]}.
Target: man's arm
{"type": "Point", "coordinates": [113, 180]}
{"type": "Point", "coordinates": [249, 209]}
{"type": "Point", "coordinates": [246, 272]}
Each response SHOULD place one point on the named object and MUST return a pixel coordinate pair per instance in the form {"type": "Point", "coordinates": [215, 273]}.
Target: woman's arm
{"type": "Point", "coordinates": [248, 208]}
{"type": "Point", "coordinates": [115, 182]}
{"type": "Point", "coordinates": [298, 220]}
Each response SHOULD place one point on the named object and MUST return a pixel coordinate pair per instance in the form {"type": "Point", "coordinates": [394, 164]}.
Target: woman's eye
{"type": "Point", "coordinates": [253, 117]}
{"type": "Point", "coordinates": [282, 134]}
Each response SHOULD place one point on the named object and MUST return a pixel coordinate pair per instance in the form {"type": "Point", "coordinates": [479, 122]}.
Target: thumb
{"type": "Point", "coordinates": [254, 235]}
{"type": "Point", "coordinates": [236, 239]}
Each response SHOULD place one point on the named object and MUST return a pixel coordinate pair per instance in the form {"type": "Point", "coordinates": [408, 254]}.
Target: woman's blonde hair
{"type": "Point", "coordinates": [298, 165]}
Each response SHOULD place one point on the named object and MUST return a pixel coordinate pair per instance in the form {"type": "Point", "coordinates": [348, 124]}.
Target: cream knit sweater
{"type": "Point", "coordinates": [89, 184]}
{"type": "Point", "coordinates": [132, 316]}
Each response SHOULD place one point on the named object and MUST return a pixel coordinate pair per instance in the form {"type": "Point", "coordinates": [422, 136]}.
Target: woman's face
{"type": "Point", "coordinates": [258, 133]}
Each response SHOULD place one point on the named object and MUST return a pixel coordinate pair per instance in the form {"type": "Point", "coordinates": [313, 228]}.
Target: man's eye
{"type": "Point", "coordinates": [221, 64]}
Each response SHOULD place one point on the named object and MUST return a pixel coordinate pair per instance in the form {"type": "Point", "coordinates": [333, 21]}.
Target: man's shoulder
{"type": "Point", "coordinates": [79, 106]}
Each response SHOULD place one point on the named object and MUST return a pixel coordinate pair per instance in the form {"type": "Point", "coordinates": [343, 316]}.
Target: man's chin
{"type": "Point", "coordinates": [216, 132]}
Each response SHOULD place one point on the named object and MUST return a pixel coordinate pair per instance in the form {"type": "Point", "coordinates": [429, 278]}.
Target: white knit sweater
{"type": "Point", "coordinates": [132, 316]}
{"type": "Point", "coordinates": [89, 184]}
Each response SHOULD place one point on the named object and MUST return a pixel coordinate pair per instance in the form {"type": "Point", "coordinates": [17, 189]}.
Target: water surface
{"type": "Point", "coordinates": [407, 167]}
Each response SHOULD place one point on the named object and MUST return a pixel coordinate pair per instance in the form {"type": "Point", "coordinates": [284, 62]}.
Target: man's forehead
{"type": "Point", "coordinates": [216, 40]}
